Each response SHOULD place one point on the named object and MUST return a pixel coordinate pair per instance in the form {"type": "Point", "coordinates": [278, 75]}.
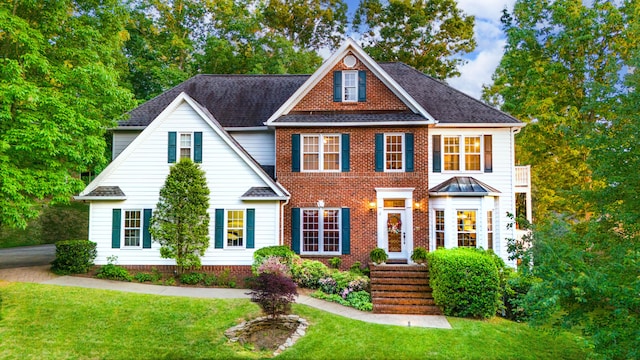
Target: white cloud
{"type": "Point", "coordinates": [485, 9]}
{"type": "Point", "coordinates": [478, 71]}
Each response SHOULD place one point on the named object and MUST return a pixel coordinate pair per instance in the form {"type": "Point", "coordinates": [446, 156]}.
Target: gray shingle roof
{"type": "Point", "coordinates": [233, 100]}
{"type": "Point", "coordinates": [249, 100]}
{"type": "Point", "coordinates": [259, 192]}
{"type": "Point", "coordinates": [463, 186]}
{"type": "Point", "coordinates": [351, 118]}
{"type": "Point", "coordinates": [106, 191]}
{"type": "Point", "coordinates": [444, 103]}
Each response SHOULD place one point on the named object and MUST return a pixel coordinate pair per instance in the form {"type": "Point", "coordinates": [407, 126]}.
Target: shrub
{"type": "Point", "coordinates": [191, 278]}
{"type": "Point", "coordinates": [112, 271]}
{"type": "Point", "coordinates": [357, 269]}
{"type": "Point", "coordinates": [465, 282]}
{"type": "Point", "coordinates": [360, 300]}
{"type": "Point", "coordinates": [328, 285]}
{"type": "Point", "coordinates": [143, 277]}
{"type": "Point", "coordinates": [274, 293]}
{"type": "Point", "coordinates": [517, 287]}
{"type": "Point", "coordinates": [307, 273]}
{"type": "Point", "coordinates": [335, 262]}
{"type": "Point", "coordinates": [170, 281]}
{"type": "Point", "coordinates": [273, 265]}
{"type": "Point", "coordinates": [283, 252]}
{"type": "Point", "coordinates": [210, 280]}
{"type": "Point", "coordinates": [378, 256]}
{"type": "Point", "coordinates": [74, 257]}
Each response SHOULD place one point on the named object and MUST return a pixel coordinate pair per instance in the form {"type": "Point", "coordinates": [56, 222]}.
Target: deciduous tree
{"type": "Point", "coordinates": [60, 64]}
{"type": "Point", "coordinates": [429, 35]}
{"type": "Point", "coordinates": [180, 222]}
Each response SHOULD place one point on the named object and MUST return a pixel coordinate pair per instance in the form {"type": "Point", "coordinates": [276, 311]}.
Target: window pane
{"type": "Point", "coordinates": [393, 152]}
{"type": "Point", "coordinates": [310, 230]}
{"type": "Point", "coordinates": [490, 230]}
{"type": "Point", "coordinates": [331, 238]}
{"type": "Point", "coordinates": [452, 153]}
{"type": "Point", "coordinates": [331, 149]}
{"type": "Point", "coordinates": [350, 89]}
{"type": "Point", "coordinates": [439, 228]}
{"type": "Point", "coordinates": [132, 228]}
{"type": "Point", "coordinates": [311, 161]}
{"type": "Point", "coordinates": [467, 228]}
{"type": "Point", "coordinates": [311, 153]}
{"type": "Point", "coordinates": [472, 153]}
{"type": "Point", "coordinates": [185, 146]}
{"type": "Point", "coordinates": [235, 228]}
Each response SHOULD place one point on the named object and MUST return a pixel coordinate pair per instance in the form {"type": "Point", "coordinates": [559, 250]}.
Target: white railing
{"type": "Point", "coordinates": [523, 175]}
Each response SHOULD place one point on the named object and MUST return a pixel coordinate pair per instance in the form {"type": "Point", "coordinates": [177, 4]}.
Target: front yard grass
{"type": "Point", "coordinates": [54, 322]}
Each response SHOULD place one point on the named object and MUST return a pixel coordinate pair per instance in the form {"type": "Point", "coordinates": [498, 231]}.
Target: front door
{"type": "Point", "coordinates": [395, 233]}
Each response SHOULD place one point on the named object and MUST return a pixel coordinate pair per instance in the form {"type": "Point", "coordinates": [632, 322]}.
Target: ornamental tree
{"type": "Point", "coordinates": [180, 222]}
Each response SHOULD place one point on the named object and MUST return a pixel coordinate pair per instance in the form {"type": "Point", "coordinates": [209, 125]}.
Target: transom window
{"type": "Point", "coordinates": [490, 229]}
{"type": "Point", "coordinates": [471, 149]}
{"type": "Point", "coordinates": [321, 231]}
{"type": "Point", "coordinates": [185, 146]}
{"type": "Point", "coordinates": [350, 85]}
{"type": "Point", "coordinates": [467, 228]}
{"type": "Point", "coordinates": [394, 152]}
{"type": "Point", "coordinates": [439, 229]}
{"type": "Point", "coordinates": [321, 152]}
{"type": "Point", "coordinates": [132, 228]}
{"type": "Point", "coordinates": [235, 228]}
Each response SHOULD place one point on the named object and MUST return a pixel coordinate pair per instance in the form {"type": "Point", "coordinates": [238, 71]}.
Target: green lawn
{"type": "Point", "coordinates": [53, 322]}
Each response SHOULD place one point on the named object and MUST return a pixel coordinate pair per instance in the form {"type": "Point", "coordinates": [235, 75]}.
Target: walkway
{"type": "Point", "coordinates": [41, 274]}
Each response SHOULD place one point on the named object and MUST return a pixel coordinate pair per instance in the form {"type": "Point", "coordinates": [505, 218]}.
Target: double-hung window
{"type": "Point", "coordinates": [321, 231]}
{"type": "Point", "coordinates": [490, 230]}
{"type": "Point", "coordinates": [186, 145]}
{"type": "Point", "coordinates": [132, 228]}
{"type": "Point", "coordinates": [394, 152]}
{"type": "Point", "coordinates": [462, 152]}
{"type": "Point", "coordinates": [439, 228]}
{"type": "Point", "coordinates": [321, 152]}
{"type": "Point", "coordinates": [467, 228]}
{"type": "Point", "coordinates": [350, 86]}
{"type": "Point", "coordinates": [235, 229]}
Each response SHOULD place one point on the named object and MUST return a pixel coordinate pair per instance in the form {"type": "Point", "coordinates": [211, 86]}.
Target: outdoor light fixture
{"type": "Point", "coordinates": [372, 206]}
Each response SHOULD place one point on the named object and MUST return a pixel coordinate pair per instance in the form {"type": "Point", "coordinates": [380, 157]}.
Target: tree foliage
{"type": "Point", "coordinates": [180, 222]}
{"type": "Point", "coordinates": [59, 89]}
{"type": "Point", "coordinates": [429, 35]}
{"type": "Point", "coordinates": [568, 70]}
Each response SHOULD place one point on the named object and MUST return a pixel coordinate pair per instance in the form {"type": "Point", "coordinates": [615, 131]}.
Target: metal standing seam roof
{"type": "Point", "coordinates": [249, 100]}
{"type": "Point", "coordinates": [463, 186]}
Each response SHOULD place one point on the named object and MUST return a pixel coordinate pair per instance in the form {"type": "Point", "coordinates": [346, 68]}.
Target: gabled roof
{"type": "Point", "coordinates": [463, 186]}
{"type": "Point", "coordinates": [349, 47]}
{"type": "Point", "coordinates": [233, 100]}
{"type": "Point", "coordinates": [446, 104]}
{"type": "Point", "coordinates": [279, 192]}
{"type": "Point", "coordinates": [105, 193]}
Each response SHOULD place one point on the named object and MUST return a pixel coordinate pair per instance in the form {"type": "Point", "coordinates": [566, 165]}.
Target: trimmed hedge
{"type": "Point", "coordinates": [465, 282]}
{"type": "Point", "coordinates": [74, 257]}
{"type": "Point", "coordinates": [260, 255]}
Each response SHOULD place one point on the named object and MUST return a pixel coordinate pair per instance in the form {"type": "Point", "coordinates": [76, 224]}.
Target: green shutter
{"type": "Point", "coordinates": [409, 152]}
{"type": "Point", "coordinates": [437, 154]}
{"type": "Point", "coordinates": [146, 235]}
{"type": "Point", "coordinates": [295, 230]}
{"type": "Point", "coordinates": [346, 231]}
{"type": "Point", "coordinates": [116, 221]}
{"type": "Point", "coordinates": [362, 86]}
{"type": "Point", "coordinates": [337, 86]}
{"type": "Point", "coordinates": [379, 152]}
{"type": "Point", "coordinates": [172, 147]}
{"type": "Point", "coordinates": [219, 229]}
{"type": "Point", "coordinates": [251, 228]}
{"type": "Point", "coordinates": [197, 147]}
{"type": "Point", "coordinates": [488, 154]}
{"type": "Point", "coordinates": [295, 152]}
{"type": "Point", "coordinates": [346, 152]}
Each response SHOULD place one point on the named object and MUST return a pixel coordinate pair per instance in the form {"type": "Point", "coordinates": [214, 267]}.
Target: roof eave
{"type": "Point", "coordinates": [352, 124]}
{"type": "Point", "coordinates": [99, 198]}
{"type": "Point", "coordinates": [465, 194]}
{"type": "Point", "coordinates": [479, 125]}
{"type": "Point", "coordinates": [264, 198]}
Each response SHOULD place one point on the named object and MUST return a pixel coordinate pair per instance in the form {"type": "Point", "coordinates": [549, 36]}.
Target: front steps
{"type": "Point", "coordinates": [401, 289]}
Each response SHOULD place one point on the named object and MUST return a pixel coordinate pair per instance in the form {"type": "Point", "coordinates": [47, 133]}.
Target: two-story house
{"type": "Point", "coordinates": [357, 155]}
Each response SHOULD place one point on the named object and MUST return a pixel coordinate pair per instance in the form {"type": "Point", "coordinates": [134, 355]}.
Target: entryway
{"type": "Point", "coordinates": [395, 221]}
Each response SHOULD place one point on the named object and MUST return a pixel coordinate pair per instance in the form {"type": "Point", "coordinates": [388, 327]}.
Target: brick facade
{"type": "Point", "coordinates": [356, 188]}
{"type": "Point", "coordinates": [320, 98]}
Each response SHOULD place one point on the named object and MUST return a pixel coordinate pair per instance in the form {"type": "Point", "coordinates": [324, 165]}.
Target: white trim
{"type": "Point", "coordinates": [480, 125]}
{"type": "Point", "coordinates": [247, 129]}
{"type": "Point", "coordinates": [210, 120]}
{"type": "Point", "coordinates": [225, 244]}
{"type": "Point", "coordinates": [403, 145]}
{"type": "Point", "coordinates": [321, 152]}
{"type": "Point", "coordinates": [320, 232]}
{"type": "Point", "coordinates": [353, 124]}
{"type": "Point", "coordinates": [348, 47]}
{"type": "Point", "coordinates": [395, 193]}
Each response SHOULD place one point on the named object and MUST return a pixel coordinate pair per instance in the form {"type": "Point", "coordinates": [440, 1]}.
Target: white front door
{"type": "Point", "coordinates": [395, 234]}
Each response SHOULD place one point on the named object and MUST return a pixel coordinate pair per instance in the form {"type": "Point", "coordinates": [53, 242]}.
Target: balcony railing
{"type": "Point", "coordinates": [523, 175]}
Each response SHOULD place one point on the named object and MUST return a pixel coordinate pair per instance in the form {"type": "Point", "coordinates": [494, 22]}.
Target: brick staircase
{"type": "Point", "coordinates": [401, 289]}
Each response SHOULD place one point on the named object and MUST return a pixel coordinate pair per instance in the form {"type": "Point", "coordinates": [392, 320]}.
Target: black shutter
{"type": "Point", "coordinates": [437, 154]}
{"type": "Point", "coordinates": [337, 86]}
{"type": "Point", "coordinates": [488, 154]}
{"type": "Point", "coordinates": [295, 152]}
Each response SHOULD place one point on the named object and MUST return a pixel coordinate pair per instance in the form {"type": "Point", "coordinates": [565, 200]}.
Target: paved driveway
{"type": "Point", "coordinates": [26, 256]}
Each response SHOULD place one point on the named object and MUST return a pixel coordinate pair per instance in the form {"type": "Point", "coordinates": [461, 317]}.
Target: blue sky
{"type": "Point", "coordinates": [489, 37]}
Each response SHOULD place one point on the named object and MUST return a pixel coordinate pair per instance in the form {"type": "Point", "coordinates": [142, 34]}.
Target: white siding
{"type": "Point", "coordinates": [502, 179]}
{"type": "Point", "coordinates": [122, 139]}
{"type": "Point", "coordinates": [259, 144]}
{"type": "Point", "coordinates": [143, 172]}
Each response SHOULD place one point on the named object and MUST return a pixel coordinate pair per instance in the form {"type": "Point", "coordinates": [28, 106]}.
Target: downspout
{"type": "Point", "coordinates": [282, 205]}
